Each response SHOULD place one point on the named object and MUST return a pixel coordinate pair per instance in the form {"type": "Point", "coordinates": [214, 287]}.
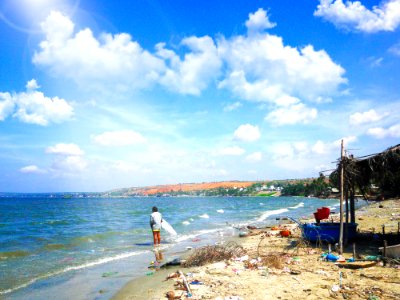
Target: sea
{"type": "Point", "coordinates": [89, 248]}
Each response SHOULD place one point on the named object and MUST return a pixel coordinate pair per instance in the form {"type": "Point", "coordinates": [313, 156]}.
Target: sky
{"type": "Point", "coordinates": [97, 95]}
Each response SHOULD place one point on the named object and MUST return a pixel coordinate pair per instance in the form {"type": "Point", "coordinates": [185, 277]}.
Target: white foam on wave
{"type": "Point", "coordinates": [261, 203]}
{"type": "Point", "coordinates": [270, 213]}
{"type": "Point", "coordinates": [186, 223]}
{"type": "Point", "coordinates": [74, 268]}
{"type": "Point", "coordinates": [301, 204]}
{"type": "Point", "coordinates": [221, 211]}
{"type": "Point", "coordinates": [189, 236]}
{"type": "Point", "coordinates": [191, 219]}
{"type": "Point", "coordinates": [204, 216]}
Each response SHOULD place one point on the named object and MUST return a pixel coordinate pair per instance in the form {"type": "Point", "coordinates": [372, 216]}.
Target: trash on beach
{"type": "Point", "coordinates": [173, 275]}
{"type": "Point", "coordinates": [243, 234]}
{"type": "Point", "coordinates": [210, 254]}
{"type": "Point", "coordinates": [196, 282]}
{"type": "Point", "coordinates": [331, 257]}
{"type": "Point", "coordinates": [149, 273]}
{"type": "Point", "coordinates": [108, 274]}
{"type": "Point", "coordinates": [285, 233]}
{"type": "Point", "coordinates": [335, 288]}
{"type": "Point", "coordinates": [189, 248]}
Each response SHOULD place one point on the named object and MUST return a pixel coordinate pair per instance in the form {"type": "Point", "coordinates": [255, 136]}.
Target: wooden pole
{"type": "Point", "coordinates": [354, 251]}
{"type": "Point", "coordinates": [384, 252]}
{"type": "Point", "coordinates": [341, 199]}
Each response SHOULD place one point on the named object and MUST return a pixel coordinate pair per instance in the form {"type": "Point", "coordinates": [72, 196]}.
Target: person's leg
{"type": "Point", "coordinates": [158, 238]}
{"type": "Point", "coordinates": [155, 237]}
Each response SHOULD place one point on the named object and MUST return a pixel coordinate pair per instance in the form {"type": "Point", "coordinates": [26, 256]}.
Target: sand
{"type": "Point", "coordinates": [303, 274]}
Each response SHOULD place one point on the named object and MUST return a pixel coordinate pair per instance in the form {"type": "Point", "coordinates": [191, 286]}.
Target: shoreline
{"type": "Point", "coordinates": [314, 279]}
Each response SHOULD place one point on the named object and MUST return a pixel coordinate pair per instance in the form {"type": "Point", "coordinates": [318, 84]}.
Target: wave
{"type": "Point", "coordinates": [270, 213]}
{"type": "Point", "coordinates": [221, 211]}
{"type": "Point", "coordinates": [204, 216]}
{"type": "Point", "coordinates": [186, 237]}
{"type": "Point", "coordinates": [73, 268]}
{"type": "Point", "coordinates": [301, 204]}
{"type": "Point", "coordinates": [186, 223]}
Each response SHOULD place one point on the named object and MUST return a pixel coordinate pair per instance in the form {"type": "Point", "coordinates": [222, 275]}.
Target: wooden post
{"type": "Point", "coordinates": [329, 248]}
{"type": "Point", "coordinates": [341, 198]}
{"type": "Point", "coordinates": [346, 229]}
{"type": "Point", "coordinates": [352, 205]}
{"type": "Point", "coordinates": [354, 251]}
{"type": "Point", "coordinates": [398, 228]}
{"type": "Point", "coordinates": [384, 252]}
{"type": "Point", "coordinates": [383, 230]}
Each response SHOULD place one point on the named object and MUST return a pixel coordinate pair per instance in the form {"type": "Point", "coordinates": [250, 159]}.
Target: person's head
{"type": "Point", "coordinates": [154, 209]}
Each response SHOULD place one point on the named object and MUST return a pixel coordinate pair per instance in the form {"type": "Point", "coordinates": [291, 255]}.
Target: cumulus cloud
{"type": "Point", "coordinates": [353, 15]}
{"type": "Point", "coordinates": [34, 107]}
{"type": "Point", "coordinates": [32, 169]}
{"type": "Point", "coordinates": [247, 133]}
{"type": "Point", "coordinates": [255, 67]}
{"type": "Point", "coordinates": [234, 151]}
{"type": "Point", "coordinates": [365, 117]}
{"type": "Point", "coordinates": [84, 58]}
{"type": "Point", "coordinates": [261, 68]}
{"type": "Point", "coordinates": [259, 21]}
{"type": "Point", "coordinates": [198, 68]}
{"type": "Point", "coordinates": [118, 138]}
{"type": "Point", "coordinates": [65, 149]}
{"type": "Point", "coordinates": [293, 114]}
{"type": "Point", "coordinates": [254, 157]}
{"type": "Point", "coordinates": [69, 159]}
{"type": "Point", "coordinates": [380, 132]}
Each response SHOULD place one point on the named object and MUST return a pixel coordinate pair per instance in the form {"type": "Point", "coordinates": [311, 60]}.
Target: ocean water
{"type": "Point", "coordinates": [77, 247]}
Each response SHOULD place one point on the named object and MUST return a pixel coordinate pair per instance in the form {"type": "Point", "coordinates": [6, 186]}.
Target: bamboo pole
{"type": "Point", "coordinates": [341, 198]}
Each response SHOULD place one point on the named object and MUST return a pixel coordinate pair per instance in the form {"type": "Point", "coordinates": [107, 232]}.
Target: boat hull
{"type": "Point", "coordinates": [328, 232]}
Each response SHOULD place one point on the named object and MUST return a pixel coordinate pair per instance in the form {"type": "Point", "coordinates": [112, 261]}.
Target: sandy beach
{"type": "Point", "coordinates": [295, 272]}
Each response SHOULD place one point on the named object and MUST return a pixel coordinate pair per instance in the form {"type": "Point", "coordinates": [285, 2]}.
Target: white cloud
{"type": "Point", "coordinates": [395, 49]}
{"type": "Point", "coordinates": [6, 105]}
{"type": "Point", "coordinates": [34, 107]}
{"type": "Point", "coordinates": [233, 106]}
{"type": "Point", "coordinates": [234, 151]}
{"type": "Point", "coordinates": [365, 117]}
{"type": "Point", "coordinates": [84, 58]}
{"type": "Point", "coordinates": [65, 149]}
{"type": "Point", "coordinates": [32, 169]}
{"type": "Point", "coordinates": [198, 68]}
{"type": "Point", "coordinates": [254, 157]}
{"type": "Point", "coordinates": [68, 161]}
{"type": "Point", "coordinates": [65, 165]}
{"type": "Point", "coordinates": [294, 114]}
{"type": "Point", "coordinates": [380, 132]}
{"type": "Point", "coordinates": [255, 67]}
{"type": "Point", "coordinates": [118, 138]}
{"type": "Point", "coordinates": [32, 85]}
{"type": "Point", "coordinates": [259, 21]}
{"type": "Point", "coordinates": [247, 133]}
{"type": "Point", "coordinates": [353, 15]}
{"type": "Point", "coordinates": [262, 68]}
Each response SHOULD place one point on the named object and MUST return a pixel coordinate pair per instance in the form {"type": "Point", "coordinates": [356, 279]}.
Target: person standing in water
{"type": "Point", "coordinates": [155, 224]}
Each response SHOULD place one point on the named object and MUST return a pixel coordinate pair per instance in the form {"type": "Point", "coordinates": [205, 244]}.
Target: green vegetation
{"type": "Point", "coordinates": [317, 188]}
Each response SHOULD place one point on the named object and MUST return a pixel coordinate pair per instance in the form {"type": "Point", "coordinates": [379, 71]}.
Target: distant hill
{"type": "Point", "coordinates": [179, 188]}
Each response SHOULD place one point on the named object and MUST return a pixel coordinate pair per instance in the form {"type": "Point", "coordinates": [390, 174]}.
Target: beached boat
{"type": "Point", "coordinates": [327, 232]}
{"type": "Point", "coordinates": [392, 251]}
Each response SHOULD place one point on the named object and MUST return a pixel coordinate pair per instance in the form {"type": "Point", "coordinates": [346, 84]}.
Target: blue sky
{"type": "Point", "coordinates": [96, 95]}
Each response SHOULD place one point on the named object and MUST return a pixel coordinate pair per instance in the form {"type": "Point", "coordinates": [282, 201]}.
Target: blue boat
{"type": "Point", "coordinates": [328, 232]}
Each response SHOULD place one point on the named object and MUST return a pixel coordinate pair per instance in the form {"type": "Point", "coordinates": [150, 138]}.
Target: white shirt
{"type": "Point", "coordinates": [155, 220]}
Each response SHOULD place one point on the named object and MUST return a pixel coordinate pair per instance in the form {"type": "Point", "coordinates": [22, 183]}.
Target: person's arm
{"type": "Point", "coordinates": [151, 221]}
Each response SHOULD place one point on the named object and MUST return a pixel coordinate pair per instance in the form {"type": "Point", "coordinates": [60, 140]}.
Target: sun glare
{"type": "Point", "coordinates": [26, 15]}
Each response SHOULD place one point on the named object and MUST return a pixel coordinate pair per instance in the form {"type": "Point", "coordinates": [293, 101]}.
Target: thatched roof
{"type": "Point", "coordinates": [380, 169]}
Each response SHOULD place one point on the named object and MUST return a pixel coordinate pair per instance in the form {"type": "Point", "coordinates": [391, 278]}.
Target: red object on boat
{"type": "Point", "coordinates": [322, 213]}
